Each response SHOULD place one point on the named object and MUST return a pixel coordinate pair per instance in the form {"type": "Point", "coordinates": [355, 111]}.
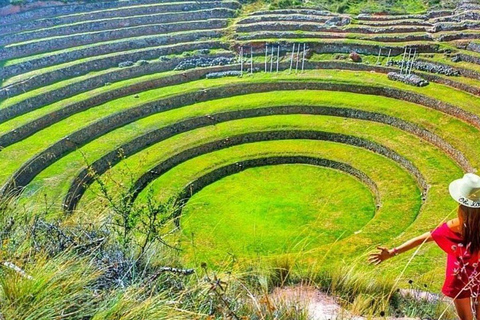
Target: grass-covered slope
{"type": "Point", "coordinates": [368, 6]}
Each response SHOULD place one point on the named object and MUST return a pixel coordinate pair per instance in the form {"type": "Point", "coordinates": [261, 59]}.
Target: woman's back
{"type": "Point", "coordinates": [462, 273]}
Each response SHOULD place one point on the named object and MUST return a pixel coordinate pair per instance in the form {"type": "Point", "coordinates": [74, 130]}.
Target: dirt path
{"type": "Point", "coordinates": [320, 305]}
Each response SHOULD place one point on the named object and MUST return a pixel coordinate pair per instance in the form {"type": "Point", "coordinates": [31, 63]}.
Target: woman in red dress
{"type": "Point", "coordinates": [460, 239]}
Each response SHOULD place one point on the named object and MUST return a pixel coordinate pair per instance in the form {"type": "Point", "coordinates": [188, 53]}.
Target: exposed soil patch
{"type": "Point", "coordinates": [320, 305]}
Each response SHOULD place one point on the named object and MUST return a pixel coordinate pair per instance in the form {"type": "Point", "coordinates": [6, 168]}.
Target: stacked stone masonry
{"type": "Point", "coordinates": [131, 7]}
{"type": "Point", "coordinates": [53, 44]}
{"type": "Point", "coordinates": [106, 62]}
{"type": "Point", "coordinates": [119, 23]}
{"type": "Point", "coordinates": [227, 170]}
{"type": "Point", "coordinates": [77, 139]}
{"type": "Point", "coordinates": [104, 163]}
{"type": "Point", "coordinates": [123, 47]}
{"type": "Point", "coordinates": [26, 130]}
{"type": "Point", "coordinates": [312, 26]}
{"type": "Point", "coordinates": [43, 79]}
{"type": "Point", "coordinates": [110, 14]}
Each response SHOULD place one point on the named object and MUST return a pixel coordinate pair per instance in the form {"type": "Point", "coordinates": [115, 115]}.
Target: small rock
{"type": "Point", "coordinates": [230, 73]}
{"type": "Point", "coordinates": [142, 62]}
{"type": "Point", "coordinates": [355, 57]}
{"type": "Point", "coordinates": [472, 46]}
{"type": "Point", "coordinates": [456, 58]}
{"type": "Point", "coordinates": [410, 79]}
{"type": "Point", "coordinates": [203, 62]}
{"type": "Point", "coordinates": [126, 64]}
{"type": "Point", "coordinates": [204, 51]}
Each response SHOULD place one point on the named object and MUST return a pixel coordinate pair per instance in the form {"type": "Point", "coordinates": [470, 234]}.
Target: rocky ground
{"type": "Point", "coordinates": [10, 9]}
{"type": "Point", "coordinates": [322, 306]}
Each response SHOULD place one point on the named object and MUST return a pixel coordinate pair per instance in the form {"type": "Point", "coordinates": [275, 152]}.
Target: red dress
{"type": "Point", "coordinates": [463, 274]}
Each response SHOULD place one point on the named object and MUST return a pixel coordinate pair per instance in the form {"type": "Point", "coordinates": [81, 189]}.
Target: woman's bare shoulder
{"type": "Point", "coordinates": [454, 225]}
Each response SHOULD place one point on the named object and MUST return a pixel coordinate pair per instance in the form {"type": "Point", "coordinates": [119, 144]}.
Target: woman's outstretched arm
{"type": "Point", "coordinates": [384, 253]}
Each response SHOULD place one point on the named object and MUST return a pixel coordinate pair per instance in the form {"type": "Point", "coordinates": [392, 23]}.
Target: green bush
{"type": "Point", "coordinates": [284, 4]}
{"type": "Point", "coordinates": [365, 6]}
{"type": "Point", "coordinates": [17, 2]}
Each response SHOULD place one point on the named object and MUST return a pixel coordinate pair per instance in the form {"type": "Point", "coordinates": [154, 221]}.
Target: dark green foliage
{"type": "Point", "coordinates": [283, 4]}
{"type": "Point", "coordinates": [17, 2]}
{"type": "Point", "coordinates": [365, 6]}
{"type": "Point", "coordinates": [342, 6]}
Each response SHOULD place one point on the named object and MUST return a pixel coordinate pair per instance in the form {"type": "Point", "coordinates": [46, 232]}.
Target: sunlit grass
{"type": "Point", "coordinates": [299, 223]}
{"type": "Point", "coordinates": [271, 210]}
{"type": "Point", "coordinates": [434, 121]}
{"type": "Point", "coordinates": [55, 284]}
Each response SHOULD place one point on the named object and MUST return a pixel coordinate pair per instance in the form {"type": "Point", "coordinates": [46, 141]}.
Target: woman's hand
{"type": "Point", "coordinates": [377, 257]}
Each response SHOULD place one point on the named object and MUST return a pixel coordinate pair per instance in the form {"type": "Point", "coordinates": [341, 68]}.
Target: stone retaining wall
{"type": "Point", "coordinates": [227, 170]}
{"type": "Point", "coordinates": [439, 13]}
{"type": "Point", "coordinates": [293, 17]}
{"type": "Point", "coordinates": [452, 83]}
{"type": "Point", "coordinates": [463, 16]}
{"type": "Point", "coordinates": [367, 37]}
{"type": "Point", "coordinates": [91, 83]}
{"type": "Point", "coordinates": [69, 90]}
{"type": "Point", "coordinates": [118, 24]}
{"type": "Point", "coordinates": [42, 79]}
{"type": "Point", "coordinates": [113, 61]}
{"type": "Point", "coordinates": [282, 135]}
{"type": "Point", "coordinates": [470, 25]}
{"type": "Point", "coordinates": [316, 27]}
{"type": "Point", "coordinates": [471, 59]}
{"type": "Point", "coordinates": [436, 14]}
{"type": "Point", "coordinates": [369, 17]}
{"type": "Point", "coordinates": [109, 14]}
{"type": "Point", "coordinates": [143, 46]}
{"type": "Point", "coordinates": [53, 44]}
{"type": "Point", "coordinates": [457, 36]}
{"type": "Point", "coordinates": [383, 30]}
{"type": "Point", "coordinates": [287, 35]}
{"type": "Point", "coordinates": [284, 26]}
{"type": "Point", "coordinates": [399, 38]}
{"type": "Point", "coordinates": [30, 128]}
{"type": "Point", "coordinates": [467, 73]}
{"type": "Point", "coordinates": [380, 69]}
{"type": "Point", "coordinates": [82, 86]}
{"type": "Point", "coordinates": [393, 23]}
{"type": "Point", "coordinates": [84, 135]}
{"type": "Point", "coordinates": [342, 47]}
{"type": "Point", "coordinates": [472, 46]}
{"type": "Point", "coordinates": [367, 49]}
{"type": "Point", "coordinates": [44, 12]}
{"type": "Point", "coordinates": [100, 166]}
{"type": "Point", "coordinates": [129, 7]}
{"type": "Point", "coordinates": [310, 12]}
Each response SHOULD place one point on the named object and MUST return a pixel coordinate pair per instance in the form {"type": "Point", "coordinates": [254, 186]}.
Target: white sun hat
{"type": "Point", "coordinates": [466, 190]}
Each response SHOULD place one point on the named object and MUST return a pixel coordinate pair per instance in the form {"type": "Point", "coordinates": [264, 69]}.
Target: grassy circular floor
{"type": "Point", "coordinates": [273, 210]}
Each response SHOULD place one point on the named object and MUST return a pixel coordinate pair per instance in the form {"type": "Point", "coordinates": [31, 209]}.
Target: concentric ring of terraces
{"type": "Point", "coordinates": [99, 88]}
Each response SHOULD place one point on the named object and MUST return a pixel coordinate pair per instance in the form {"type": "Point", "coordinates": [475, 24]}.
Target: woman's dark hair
{"type": "Point", "coordinates": [471, 227]}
